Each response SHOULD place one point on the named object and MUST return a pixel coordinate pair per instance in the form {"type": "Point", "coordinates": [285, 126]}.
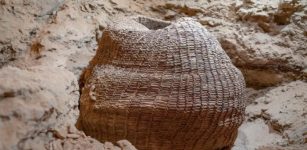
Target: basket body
{"type": "Point", "coordinates": [162, 86]}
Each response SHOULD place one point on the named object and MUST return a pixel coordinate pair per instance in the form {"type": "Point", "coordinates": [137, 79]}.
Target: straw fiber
{"type": "Point", "coordinates": [162, 86]}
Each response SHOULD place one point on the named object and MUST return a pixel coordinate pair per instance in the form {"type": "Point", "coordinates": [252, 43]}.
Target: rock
{"type": "Point", "coordinates": [37, 103]}
{"type": "Point", "coordinates": [73, 136]}
{"type": "Point", "coordinates": [211, 22]}
{"type": "Point", "coordinates": [76, 143]}
{"type": "Point", "coordinates": [60, 133]}
{"type": "Point", "coordinates": [72, 129]}
{"type": "Point", "coordinates": [7, 54]}
{"type": "Point", "coordinates": [110, 146]}
{"type": "Point", "coordinates": [285, 10]}
{"type": "Point", "coordinates": [266, 27]}
{"type": "Point", "coordinates": [56, 145]}
{"type": "Point", "coordinates": [248, 15]}
{"type": "Point", "coordinates": [2, 2]}
{"type": "Point", "coordinates": [285, 110]}
{"type": "Point", "coordinates": [253, 135]}
{"type": "Point", "coordinates": [262, 77]}
{"type": "Point", "coordinates": [259, 53]}
{"type": "Point", "coordinates": [125, 145]}
{"type": "Point", "coordinates": [186, 9]}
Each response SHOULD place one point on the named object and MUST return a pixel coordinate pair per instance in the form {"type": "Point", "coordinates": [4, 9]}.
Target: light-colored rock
{"type": "Point", "coordinates": [253, 135]}
{"type": "Point", "coordinates": [287, 107]}
{"type": "Point", "coordinates": [29, 105]}
{"type": "Point", "coordinates": [277, 119]}
{"type": "Point", "coordinates": [125, 145]}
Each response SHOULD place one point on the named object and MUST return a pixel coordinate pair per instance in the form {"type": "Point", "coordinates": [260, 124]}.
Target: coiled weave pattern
{"type": "Point", "coordinates": [162, 86]}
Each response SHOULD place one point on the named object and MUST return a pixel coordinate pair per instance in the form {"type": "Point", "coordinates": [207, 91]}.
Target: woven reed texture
{"type": "Point", "coordinates": [162, 86]}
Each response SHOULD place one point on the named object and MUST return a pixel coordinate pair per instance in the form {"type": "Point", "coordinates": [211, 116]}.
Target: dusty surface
{"type": "Point", "coordinates": [44, 46]}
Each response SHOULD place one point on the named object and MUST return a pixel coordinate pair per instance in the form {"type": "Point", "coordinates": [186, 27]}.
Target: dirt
{"type": "Point", "coordinates": [45, 45]}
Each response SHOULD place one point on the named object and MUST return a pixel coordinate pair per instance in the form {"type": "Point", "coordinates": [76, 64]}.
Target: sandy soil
{"type": "Point", "coordinates": [44, 46]}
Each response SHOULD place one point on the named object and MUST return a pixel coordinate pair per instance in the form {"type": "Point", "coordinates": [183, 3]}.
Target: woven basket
{"type": "Point", "coordinates": [162, 86]}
